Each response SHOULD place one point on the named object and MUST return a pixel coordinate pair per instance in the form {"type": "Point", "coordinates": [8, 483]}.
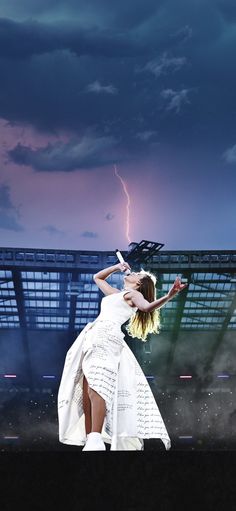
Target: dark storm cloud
{"type": "Point", "coordinates": [21, 40]}
{"type": "Point", "coordinates": [126, 72]}
{"type": "Point", "coordinates": [8, 222]}
{"type": "Point", "coordinates": [8, 212]}
{"type": "Point", "coordinates": [56, 89]}
{"type": "Point", "coordinates": [125, 14]}
{"type": "Point", "coordinates": [87, 153]}
{"type": "Point", "coordinates": [5, 199]}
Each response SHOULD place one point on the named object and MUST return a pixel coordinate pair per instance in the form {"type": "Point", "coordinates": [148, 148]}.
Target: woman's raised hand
{"type": "Point", "coordinates": [177, 286]}
{"type": "Point", "coordinates": [123, 266]}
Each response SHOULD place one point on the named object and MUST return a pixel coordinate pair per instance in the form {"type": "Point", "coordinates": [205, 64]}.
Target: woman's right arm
{"type": "Point", "coordinates": [100, 277]}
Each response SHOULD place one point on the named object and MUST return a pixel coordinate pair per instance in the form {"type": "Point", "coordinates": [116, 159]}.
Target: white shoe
{"type": "Point", "coordinates": [94, 442]}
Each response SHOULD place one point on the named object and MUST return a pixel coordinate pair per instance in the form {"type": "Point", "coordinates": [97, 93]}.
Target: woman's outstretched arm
{"type": "Point", "coordinates": [145, 306]}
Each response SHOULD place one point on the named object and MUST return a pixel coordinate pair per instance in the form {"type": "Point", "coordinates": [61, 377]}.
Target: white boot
{"type": "Point", "coordinates": [94, 442]}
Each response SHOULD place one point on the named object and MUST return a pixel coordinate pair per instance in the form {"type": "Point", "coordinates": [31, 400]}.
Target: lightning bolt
{"type": "Point", "coordinates": [127, 205]}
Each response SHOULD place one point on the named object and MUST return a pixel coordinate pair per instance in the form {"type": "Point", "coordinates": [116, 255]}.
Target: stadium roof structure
{"type": "Point", "coordinates": [53, 290]}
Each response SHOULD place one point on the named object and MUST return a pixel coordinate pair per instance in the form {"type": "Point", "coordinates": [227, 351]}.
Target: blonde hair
{"type": "Point", "coordinates": [143, 323]}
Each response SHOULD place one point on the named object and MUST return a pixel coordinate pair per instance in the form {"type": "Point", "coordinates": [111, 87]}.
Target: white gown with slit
{"type": "Point", "coordinates": [111, 369]}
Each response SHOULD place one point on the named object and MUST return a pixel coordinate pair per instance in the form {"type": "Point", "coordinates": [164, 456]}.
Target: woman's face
{"type": "Point", "coordinates": [133, 279]}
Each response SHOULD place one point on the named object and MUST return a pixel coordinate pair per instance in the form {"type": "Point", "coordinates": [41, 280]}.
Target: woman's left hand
{"type": "Point", "coordinates": [177, 286]}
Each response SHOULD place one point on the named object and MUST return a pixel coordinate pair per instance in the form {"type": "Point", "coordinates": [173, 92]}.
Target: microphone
{"type": "Point", "coordinates": [121, 259]}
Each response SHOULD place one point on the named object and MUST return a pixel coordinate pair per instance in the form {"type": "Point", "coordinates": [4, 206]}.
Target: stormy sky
{"type": "Point", "coordinates": [146, 86]}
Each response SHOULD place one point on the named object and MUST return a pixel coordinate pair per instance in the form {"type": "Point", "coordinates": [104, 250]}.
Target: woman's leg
{"type": "Point", "coordinates": [87, 407]}
{"type": "Point", "coordinates": [98, 410]}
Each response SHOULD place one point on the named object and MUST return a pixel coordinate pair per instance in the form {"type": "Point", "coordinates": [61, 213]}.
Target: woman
{"type": "Point", "coordinates": [104, 395]}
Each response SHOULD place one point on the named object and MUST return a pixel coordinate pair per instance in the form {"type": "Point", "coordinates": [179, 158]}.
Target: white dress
{"type": "Point", "coordinates": [111, 369]}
